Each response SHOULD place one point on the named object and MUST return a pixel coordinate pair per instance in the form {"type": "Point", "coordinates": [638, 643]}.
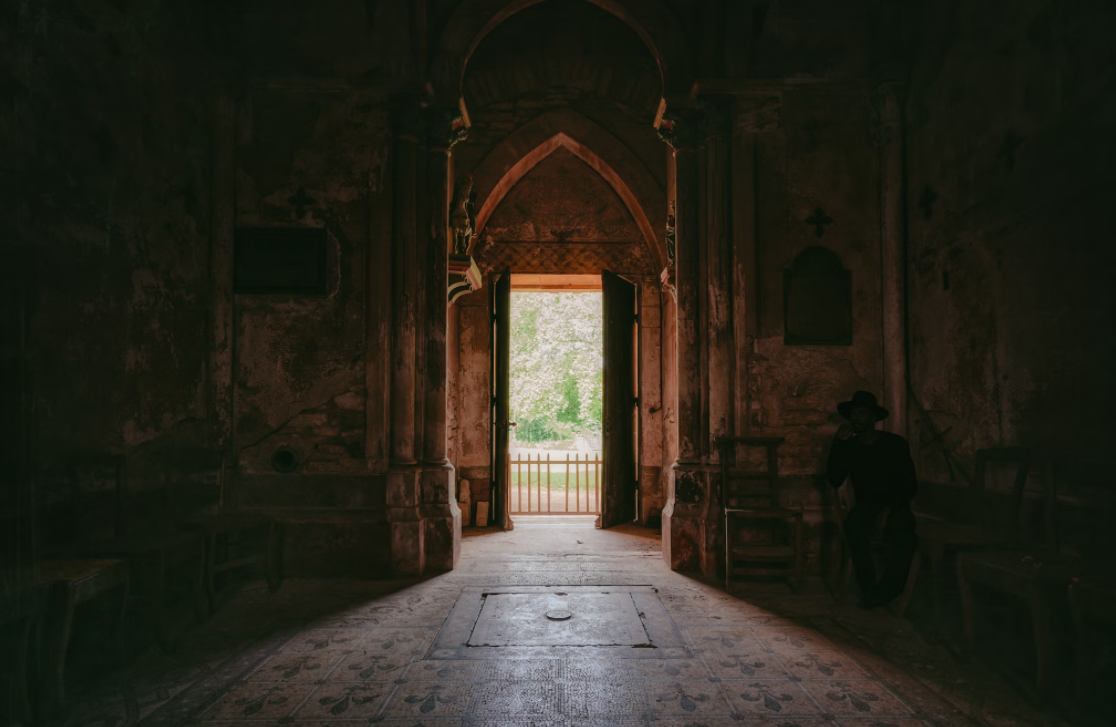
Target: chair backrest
{"type": "Point", "coordinates": [1024, 461]}
{"type": "Point", "coordinates": [742, 487]}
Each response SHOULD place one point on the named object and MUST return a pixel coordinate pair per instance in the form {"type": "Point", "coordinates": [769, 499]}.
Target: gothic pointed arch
{"type": "Point", "coordinates": [519, 153]}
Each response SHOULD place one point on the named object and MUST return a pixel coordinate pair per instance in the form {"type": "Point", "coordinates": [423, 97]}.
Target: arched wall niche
{"type": "Point", "coordinates": [472, 20]}
{"type": "Point", "coordinates": [817, 300]}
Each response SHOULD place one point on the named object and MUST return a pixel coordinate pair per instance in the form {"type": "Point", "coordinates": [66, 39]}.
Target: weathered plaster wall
{"type": "Point", "coordinates": [817, 149]}
{"type": "Point", "coordinates": [1009, 268]}
{"type": "Point", "coordinates": [312, 158]}
{"type": "Point", "coordinates": [103, 193]}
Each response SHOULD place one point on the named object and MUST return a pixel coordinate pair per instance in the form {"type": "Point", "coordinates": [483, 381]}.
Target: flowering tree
{"type": "Point", "coordinates": [556, 364]}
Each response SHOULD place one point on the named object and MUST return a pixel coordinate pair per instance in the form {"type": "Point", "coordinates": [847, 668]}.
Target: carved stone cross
{"type": "Point", "coordinates": [301, 202]}
{"type": "Point", "coordinates": [819, 220]}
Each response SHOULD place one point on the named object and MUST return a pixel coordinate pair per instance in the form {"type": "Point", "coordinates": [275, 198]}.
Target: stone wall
{"type": "Point", "coordinates": [105, 220]}
{"type": "Point", "coordinates": [1009, 268]}
{"type": "Point", "coordinates": [300, 363]}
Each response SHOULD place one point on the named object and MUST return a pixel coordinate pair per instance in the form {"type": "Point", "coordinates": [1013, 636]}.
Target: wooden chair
{"type": "Point", "coordinates": [939, 538]}
{"type": "Point", "coordinates": [1032, 574]}
{"type": "Point", "coordinates": [750, 495]}
{"type": "Point", "coordinates": [144, 533]}
{"type": "Point", "coordinates": [845, 503]}
{"type": "Point", "coordinates": [228, 536]}
{"type": "Point", "coordinates": [69, 584]}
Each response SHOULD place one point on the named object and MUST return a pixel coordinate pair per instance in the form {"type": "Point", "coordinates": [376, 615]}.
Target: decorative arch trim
{"type": "Point", "coordinates": [532, 159]}
{"type": "Point", "coordinates": [472, 20]}
{"type": "Point", "coordinates": [645, 188]}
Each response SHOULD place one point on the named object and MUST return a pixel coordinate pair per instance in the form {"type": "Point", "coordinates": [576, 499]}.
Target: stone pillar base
{"type": "Point", "coordinates": [442, 516]}
{"type": "Point", "coordinates": [408, 546]}
{"type": "Point", "coordinates": [684, 517]}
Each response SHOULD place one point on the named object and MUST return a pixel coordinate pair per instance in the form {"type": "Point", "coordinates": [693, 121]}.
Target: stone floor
{"type": "Point", "coordinates": [333, 652]}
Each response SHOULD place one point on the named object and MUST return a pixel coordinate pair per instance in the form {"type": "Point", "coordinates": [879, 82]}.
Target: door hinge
{"type": "Point", "coordinates": [635, 401]}
{"type": "Point", "coordinates": [637, 317]}
{"type": "Point", "coordinates": [494, 401]}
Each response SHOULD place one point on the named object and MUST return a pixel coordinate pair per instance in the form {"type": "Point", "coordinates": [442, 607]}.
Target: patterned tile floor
{"type": "Point", "coordinates": [353, 652]}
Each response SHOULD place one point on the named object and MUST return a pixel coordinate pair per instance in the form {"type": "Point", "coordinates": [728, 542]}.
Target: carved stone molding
{"type": "Point", "coordinates": [462, 215]}
{"type": "Point", "coordinates": [670, 229]}
{"type": "Point", "coordinates": [464, 276]}
{"type": "Point", "coordinates": [667, 279]}
{"type": "Point", "coordinates": [681, 130]}
{"type": "Point", "coordinates": [443, 129]}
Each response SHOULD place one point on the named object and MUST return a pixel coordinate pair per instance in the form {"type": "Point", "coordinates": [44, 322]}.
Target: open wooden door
{"type": "Point", "coordinates": [501, 384]}
{"type": "Point", "coordinates": [620, 403]}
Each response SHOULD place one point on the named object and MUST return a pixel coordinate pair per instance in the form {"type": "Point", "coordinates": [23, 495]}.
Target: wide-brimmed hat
{"type": "Point", "coordinates": [862, 398]}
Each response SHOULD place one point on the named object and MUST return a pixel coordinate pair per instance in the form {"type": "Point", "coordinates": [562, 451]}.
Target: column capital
{"type": "Point", "coordinates": [442, 129]}
{"type": "Point", "coordinates": [681, 129]}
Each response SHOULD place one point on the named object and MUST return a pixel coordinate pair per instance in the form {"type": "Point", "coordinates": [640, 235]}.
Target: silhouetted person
{"type": "Point", "coordinates": [883, 478]}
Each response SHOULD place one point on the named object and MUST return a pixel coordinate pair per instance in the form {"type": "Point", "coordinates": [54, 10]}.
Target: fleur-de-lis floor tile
{"type": "Point", "coordinates": [792, 639]}
{"type": "Point", "coordinates": [671, 669]}
{"type": "Point", "coordinates": [771, 698]}
{"type": "Point", "coordinates": [344, 701]}
{"type": "Point", "coordinates": [738, 665]}
{"type": "Point", "coordinates": [821, 664]}
{"type": "Point", "coordinates": [697, 697]}
{"type": "Point", "coordinates": [722, 638]}
{"type": "Point", "coordinates": [861, 698]}
{"type": "Point", "coordinates": [322, 640]}
{"type": "Point", "coordinates": [258, 701]}
{"type": "Point", "coordinates": [296, 667]}
{"type": "Point", "coordinates": [429, 700]}
{"type": "Point", "coordinates": [409, 642]}
{"type": "Point", "coordinates": [365, 665]}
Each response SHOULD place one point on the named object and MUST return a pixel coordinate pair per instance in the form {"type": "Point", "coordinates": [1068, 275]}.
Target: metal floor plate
{"type": "Point", "coordinates": [596, 619]}
{"type": "Point", "coordinates": [627, 622]}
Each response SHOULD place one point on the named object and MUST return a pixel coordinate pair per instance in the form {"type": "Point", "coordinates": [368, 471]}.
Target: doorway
{"type": "Point", "coordinates": [566, 415]}
{"type": "Point", "coordinates": [556, 397]}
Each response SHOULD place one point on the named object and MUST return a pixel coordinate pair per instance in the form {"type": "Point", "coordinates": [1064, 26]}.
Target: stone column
{"type": "Point", "coordinates": [439, 497]}
{"type": "Point", "coordinates": [718, 302]}
{"type": "Point", "coordinates": [683, 514]}
{"type": "Point", "coordinates": [893, 256]}
{"type": "Point", "coordinates": [403, 493]}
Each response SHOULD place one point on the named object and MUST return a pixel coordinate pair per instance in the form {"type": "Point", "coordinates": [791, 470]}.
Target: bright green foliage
{"type": "Point", "coordinates": [556, 365]}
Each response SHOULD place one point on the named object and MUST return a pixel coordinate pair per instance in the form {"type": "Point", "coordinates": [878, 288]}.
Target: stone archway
{"type": "Point", "coordinates": [535, 141]}
{"type": "Point", "coordinates": [472, 20]}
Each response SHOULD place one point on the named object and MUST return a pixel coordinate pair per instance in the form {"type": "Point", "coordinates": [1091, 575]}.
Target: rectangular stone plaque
{"type": "Point", "coordinates": [482, 514]}
{"type": "Point", "coordinates": [594, 619]}
{"type": "Point", "coordinates": [280, 261]}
